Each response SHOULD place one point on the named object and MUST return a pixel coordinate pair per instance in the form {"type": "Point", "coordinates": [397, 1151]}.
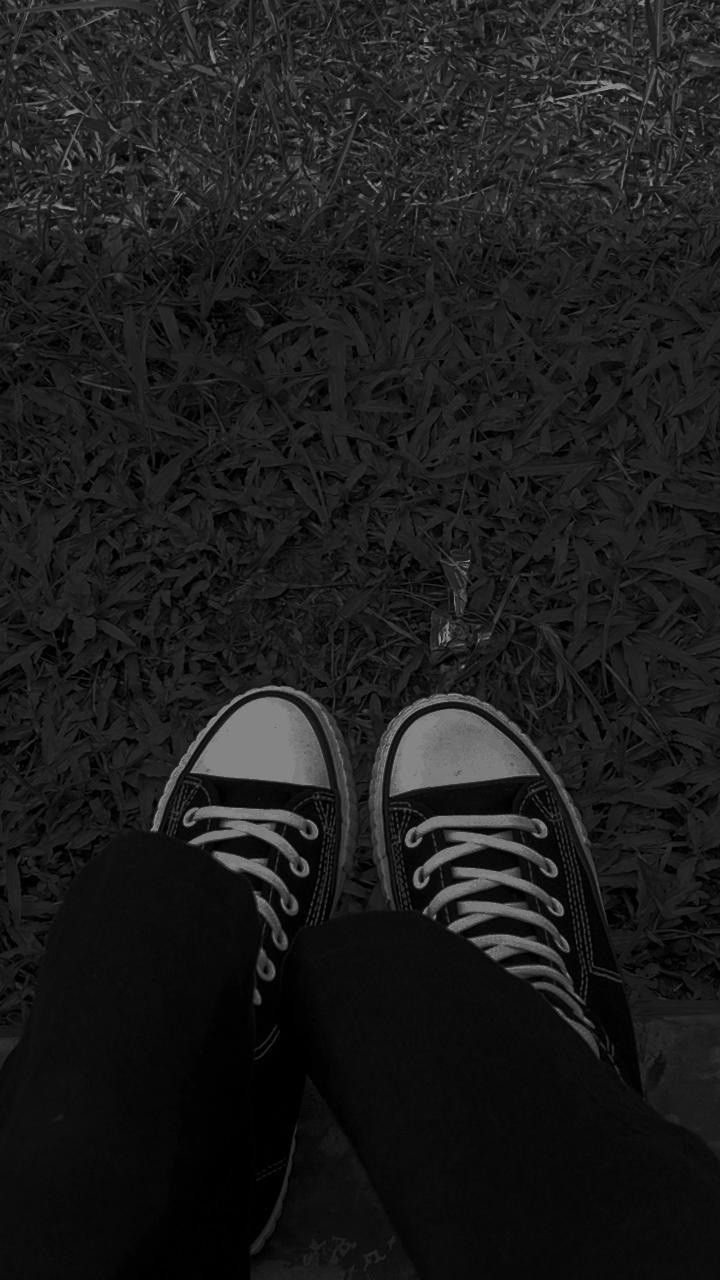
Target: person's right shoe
{"type": "Point", "coordinates": [469, 825]}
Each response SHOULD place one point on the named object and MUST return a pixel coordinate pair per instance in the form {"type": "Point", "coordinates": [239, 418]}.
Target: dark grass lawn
{"type": "Point", "coordinates": [298, 299]}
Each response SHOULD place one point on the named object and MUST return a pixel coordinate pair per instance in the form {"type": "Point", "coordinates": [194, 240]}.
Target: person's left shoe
{"type": "Point", "coordinates": [267, 789]}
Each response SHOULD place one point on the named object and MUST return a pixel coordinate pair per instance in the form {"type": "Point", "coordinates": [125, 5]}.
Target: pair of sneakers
{"type": "Point", "coordinates": [470, 825]}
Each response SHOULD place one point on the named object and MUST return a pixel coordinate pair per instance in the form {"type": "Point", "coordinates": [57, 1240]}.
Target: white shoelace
{"type": "Point", "coordinates": [255, 822]}
{"type": "Point", "coordinates": [500, 946]}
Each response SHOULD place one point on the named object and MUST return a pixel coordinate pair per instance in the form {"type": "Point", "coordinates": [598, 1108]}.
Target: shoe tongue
{"type": "Point", "coordinates": [496, 796]}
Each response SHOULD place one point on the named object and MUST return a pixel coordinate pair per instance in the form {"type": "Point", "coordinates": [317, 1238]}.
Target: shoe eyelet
{"type": "Point", "coordinates": [189, 817]}
{"type": "Point", "coordinates": [550, 869]}
{"type": "Point", "coordinates": [556, 908]}
{"type": "Point", "coordinates": [541, 830]}
{"type": "Point", "coordinates": [412, 839]}
{"type": "Point", "coordinates": [310, 830]}
{"type": "Point", "coordinates": [301, 868]}
{"type": "Point", "coordinates": [295, 905]}
{"type": "Point", "coordinates": [564, 944]}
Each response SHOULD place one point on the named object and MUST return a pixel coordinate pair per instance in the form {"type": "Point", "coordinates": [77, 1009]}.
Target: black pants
{"type": "Point", "coordinates": [498, 1144]}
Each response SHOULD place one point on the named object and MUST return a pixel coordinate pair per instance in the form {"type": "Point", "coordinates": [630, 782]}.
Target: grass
{"type": "Point", "coordinates": [296, 300]}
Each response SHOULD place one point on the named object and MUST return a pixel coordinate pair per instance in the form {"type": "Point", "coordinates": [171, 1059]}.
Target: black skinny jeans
{"type": "Point", "coordinates": [498, 1144]}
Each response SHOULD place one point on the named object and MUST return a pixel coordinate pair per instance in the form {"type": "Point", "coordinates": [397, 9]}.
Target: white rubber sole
{"type": "Point", "coordinates": [269, 1229]}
